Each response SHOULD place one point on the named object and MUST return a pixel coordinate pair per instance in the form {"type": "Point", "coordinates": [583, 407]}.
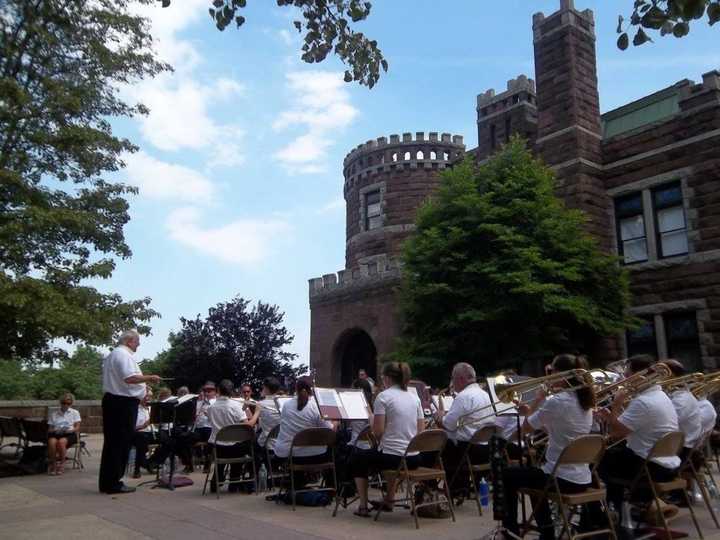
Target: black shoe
{"type": "Point", "coordinates": [121, 489]}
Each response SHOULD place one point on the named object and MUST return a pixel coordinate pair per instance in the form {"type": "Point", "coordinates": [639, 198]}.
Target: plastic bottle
{"type": "Point", "coordinates": [262, 478]}
{"type": "Point", "coordinates": [484, 493]}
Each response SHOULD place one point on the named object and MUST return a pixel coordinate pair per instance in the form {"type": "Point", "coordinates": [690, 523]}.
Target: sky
{"type": "Point", "coordinates": [240, 163]}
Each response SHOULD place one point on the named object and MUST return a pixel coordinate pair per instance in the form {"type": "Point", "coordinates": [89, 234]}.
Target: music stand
{"type": "Point", "coordinates": [175, 412]}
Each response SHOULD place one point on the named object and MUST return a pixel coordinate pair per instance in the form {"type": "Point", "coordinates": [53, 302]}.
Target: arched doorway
{"type": "Point", "coordinates": [354, 350]}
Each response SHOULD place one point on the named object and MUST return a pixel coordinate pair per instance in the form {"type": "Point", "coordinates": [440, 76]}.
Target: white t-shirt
{"type": "Point", "coordinates": [508, 426]}
{"type": "Point", "coordinates": [564, 420]}
{"type": "Point", "coordinates": [142, 417]}
{"type": "Point", "coordinates": [224, 412]}
{"type": "Point", "coordinates": [63, 422]}
{"type": "Point", "coordinates": [708, 416]}
{"type": "Point", "coordinates": [649, 416]}
{"type": "Point", "coordinates": [201, 419]}
{"type": "Point", "coordinates": [688, 413]}
{"type": "Point", "coordinates": [267, 421]}
{"type": "Point", "coordinates": [402, 410]}
{"type": "Point", "coordinates": [292, 422]}
{"type": "Point", "coordinates": [356, 428]}
{"type": "Point", "coordinates": [118, 366]}
{"type": "Point", "coordinates": [471, 408]}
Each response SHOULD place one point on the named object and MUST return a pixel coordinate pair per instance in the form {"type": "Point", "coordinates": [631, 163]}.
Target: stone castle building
{"type": "Point", "coordinates": [647, 175]}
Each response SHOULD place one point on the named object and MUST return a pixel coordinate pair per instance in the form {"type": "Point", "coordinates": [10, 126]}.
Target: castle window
{"type": "Point", "coordinates": [446, 156]}
{"type": "Point", "coordinates": [420, 155]}
{"type": "Point", "coordinates": [632, 238]}
{"type": "Point", "coordinates": [407, 156]}
{"type": "Point", "coordinates": [373, 212]}
{"type": "Point", "coordinates": [394, 156]}
{"type": "Point", "coordinates": [670, 220]}
{"type": "Point", "coordinates": [681, 335]}
{"type": "Point", "coordinates": [642, 340]}
{"type": "Point", "coordinates": [433, 154]}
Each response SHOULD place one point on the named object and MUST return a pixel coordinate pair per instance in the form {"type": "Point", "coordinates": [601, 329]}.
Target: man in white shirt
{"type": "Point", "coordinates": [471, 411]}
{"type": "Point", "coordinates": [123, 387]}
{"type": "Point", "coordinates": [687, 409]}
{"type": "Point", "coordinates": [648, 417]}
{"type": "Point", "coordinates": [226, 412]}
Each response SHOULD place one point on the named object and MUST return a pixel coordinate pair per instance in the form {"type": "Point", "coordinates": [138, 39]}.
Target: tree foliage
{"type": "Point", "coordinates": [668, 17]}
{"type": "Point", "coordinates": [499, 271]}
{"type": "Point", "coordinates": [61, 221]}
{"type": "Point", "coordinates": [327, 26]}
{"type": "Point", "coordinates": [233, 342]}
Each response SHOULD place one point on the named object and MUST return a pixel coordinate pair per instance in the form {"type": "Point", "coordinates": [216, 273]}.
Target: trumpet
{"type": "Point", "coordinates": [509, 393]}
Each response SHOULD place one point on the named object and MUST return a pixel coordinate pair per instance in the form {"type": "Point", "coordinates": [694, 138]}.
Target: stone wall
{"type": "Point", "coordinates": [90, 411]}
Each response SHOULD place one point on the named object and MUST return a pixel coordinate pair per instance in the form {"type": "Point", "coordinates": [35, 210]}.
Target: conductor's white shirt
{"type": "Point", "coordinates": [118, 366]}
{"type": "Point", "coordinates": [224, 412]}
{"type": "Point", "coordinates": [292, 422]}
{"type": "Point", "coordinates": [471, 410]}
{"type": "Point", "coordinates": [649, 416]}
{"type": "Point", "coordinates": [688, 413]}
{"type": "Point", "coordinates": [564, 420]}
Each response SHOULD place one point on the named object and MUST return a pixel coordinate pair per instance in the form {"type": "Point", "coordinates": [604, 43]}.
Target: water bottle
{"type": "Point", "coordinates": [484, 493]}
{"type": "Point", "coordinates": [262, 478]}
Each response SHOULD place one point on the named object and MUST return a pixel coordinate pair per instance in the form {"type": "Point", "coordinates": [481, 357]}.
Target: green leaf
{"type": "Point", "coordinates": [681, 29]}
{"type": "Point", "coordinates": [348, 76]}
{"type": "Point", "coordinates": [619, 24]}
{"type": "Point", "coordinates": [640, 38]}
{"type": "Point", "coordinates": [713, 12]}
{"type": "Point", "coordinates": [623, 41]}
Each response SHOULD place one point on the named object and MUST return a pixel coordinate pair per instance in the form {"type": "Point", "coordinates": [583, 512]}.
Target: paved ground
{"type": "Point", "coordinates": [69, 507]}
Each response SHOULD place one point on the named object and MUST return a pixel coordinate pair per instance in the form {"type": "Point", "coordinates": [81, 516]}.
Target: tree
{"type": "Point", "coordinates": [233, 342]}
{"type": "Point", "coordinates": [328, 28]}
{"type": "Point", "coordinates": [498, 271]}
{"type": "Point", "coordinates": [666, 16]}
{"type": "Point", "coordinates": [61, 222]}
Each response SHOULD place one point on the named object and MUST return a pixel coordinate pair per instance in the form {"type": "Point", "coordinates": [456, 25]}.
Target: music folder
{"type": "Point", "coordinates": [342, 403]}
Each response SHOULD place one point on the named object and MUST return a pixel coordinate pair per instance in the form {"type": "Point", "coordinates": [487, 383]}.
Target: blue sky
{"type": "Point", "coordinates": [240, 162]}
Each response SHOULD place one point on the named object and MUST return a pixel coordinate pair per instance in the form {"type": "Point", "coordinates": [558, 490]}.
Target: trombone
{"type": "Point", "coordinates": [683, 382]}
{"type": "Point", "coordinates": [509, 393]}
{"type": "Point", "coordinates": [710, 385]}
{"type": "Point", "coordinates": [634, 384]}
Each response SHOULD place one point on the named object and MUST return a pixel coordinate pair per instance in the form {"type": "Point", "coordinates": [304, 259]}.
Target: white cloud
{"type": "Point", "coordinates": [333, 206]}
{"type": "Point", "coordinates": [167, 181]}
{"type": "Point", "coordinates": [243, 242]}
{"type": "Point", "coordinates": [321, 107]}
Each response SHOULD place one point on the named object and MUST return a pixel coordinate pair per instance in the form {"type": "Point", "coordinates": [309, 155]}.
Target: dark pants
{"type": "Point", "coordinates": [365, 461]}
{"type": "Point", "coordinates": [454, 461]}
{"type": "Point", "coordinates": [119, 417]}
{"type": "Point", "coordinates": [237, 450]}
{"type": "Point", "coordinates": [300, 478]}
{"type": "Point", "coordinates": [625, 464]}
{"type": "Point", "coordinates": [187, 440]}
{"type": "Point", "coordinates": [141, 441]}
{"type": "Point", "coordinates": [515, 478]}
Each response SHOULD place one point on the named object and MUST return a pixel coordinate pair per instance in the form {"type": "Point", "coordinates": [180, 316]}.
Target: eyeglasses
{"type": "Point", "coordinates": [68, 403]}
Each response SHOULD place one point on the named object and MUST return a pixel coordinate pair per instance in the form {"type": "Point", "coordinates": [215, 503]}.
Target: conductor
{"type": "Point", "coordinates": [123, 387]}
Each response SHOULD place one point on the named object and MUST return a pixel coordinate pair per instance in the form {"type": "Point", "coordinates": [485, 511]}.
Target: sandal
{"type": "Point", "coordinates": [362, 511]}
{"type": "Point", "coordinates": [384, 506]}
{"type": "Point", "coordinates": [51, 469]}
{"type": "Point", "coordinates": [60, 469]}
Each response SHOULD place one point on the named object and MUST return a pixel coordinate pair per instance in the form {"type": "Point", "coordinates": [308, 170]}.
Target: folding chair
{"type": "Point", "coordinates": [586, 450]}
{"type": "Point", "coordinates": [312, 437]}
{"type": "Point", "coordinates": [431, 442]}
{"type": "Point", "coordinates": [275, 471]}
{"type": "Point", "coordinates": [481, 437]}
{"type": "Point", "coordinates": [11, 427]}
{"type": "Point", "coordinates": [76, 459]}
{"type": "Point", "coordinates": [669, 445]}
{"type": "Point", "coordinates": [690, 473]}
{"type": "Point", "coordinates": [233, 434]}
{"type": "Point", "coordinates": [364, 436]}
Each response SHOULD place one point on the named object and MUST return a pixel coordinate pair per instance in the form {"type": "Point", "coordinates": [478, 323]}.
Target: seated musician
{"type": "Point", "coordinates": [300, 413]}
{"type": "Point", "coordinates": [687, 409]}
{"type": "Point", "coordinates": [202, 429]}
{"type": "Point", "coordinates": [269, 415]}
{"type": "Point", "coordinates": [649, 416]}
{"type": "Point", "coordinates": [63, 429]}
{"type": "Point", "coordinates": [471, 411]}
{"type": "Point", "coordinates": [708, 415]}
{"type": "Point", "coordinates": [143, 435]}
{"type": "Point", "coordinates": [565, 415]}
{"type": "Point", "coordinates": [358, 426]}
{"type": "Point", "coordinates": [226, 412]}
{"type": "Point", "coordinates": [397, 418]}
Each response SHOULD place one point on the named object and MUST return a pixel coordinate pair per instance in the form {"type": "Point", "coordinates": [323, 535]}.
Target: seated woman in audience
{"type": "Point", "coordinates": [300, 413]}
{"type": "Point", "coordinates": [63, 429]}
{"type": "Point", "coordinates": [397, 418]}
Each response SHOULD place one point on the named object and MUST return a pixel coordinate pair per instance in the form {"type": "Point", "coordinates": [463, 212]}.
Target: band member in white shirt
{"type": "Point", "coordinates": [358, 426]}
{"type": "Point", "coordinates": [471, 410]}
{"type": "Point", "coordinates": [687, 409]}
{"type": "Point", "coordinates": [144, 435]}
{"type": "Point", "coordinates": [123, 387]}
{"type": "Point", "coordinates": [397, 417]}
{"type": "Point", "coordinates": [565, 415]}
{"type": "Point", "coordinates": [63, 427]}
{"type": "Point", "coordinates": [649, 416]}
{"type": "Point", "coordinates": [226, 412]}
{"type": "Point", "coordinates": [269, 415]}
{"type": "Point", "coordinates": [708, 415]}
{"type": "Point", "coordinates": [201, 430]}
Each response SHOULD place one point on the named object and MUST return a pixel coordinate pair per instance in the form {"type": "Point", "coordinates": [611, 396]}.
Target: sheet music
{"type": "Point", "coordinates": [498, 405]}
{"type": "Point", "coordinates": [329, 403]}
{"type": "Point", "coordinates": [185, 398]}
{"type": "Point", "coordinates": [354, 403]}
{"type": "Point", "coordinates": [447, 402]}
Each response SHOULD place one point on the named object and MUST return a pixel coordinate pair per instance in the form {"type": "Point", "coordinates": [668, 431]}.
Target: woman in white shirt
{"type": "Point", "coordinates": [358, 426]}
{"type": "Point", "coordinates": [397, 418]}
{"type": "Point", "coordinates": [300, 413]}
{"type": "Point", "coordinates": [565, 416]}
{"type": "Point", "coordinates": [144, 435]}
{"type": "Point", "coordinates": [63, 427]}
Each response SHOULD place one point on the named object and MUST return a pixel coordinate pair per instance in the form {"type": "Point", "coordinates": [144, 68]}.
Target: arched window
{"type": "Point", "coordinates": [420, 155]}
{"type": "Point", "coordinates": [407, 156]}
{"type": "Point", "coordinates": [433, 154]}
{"type": "Point", "coordinates": [394, 156]}
{"type": "Point", "coordinates": [446, 156]}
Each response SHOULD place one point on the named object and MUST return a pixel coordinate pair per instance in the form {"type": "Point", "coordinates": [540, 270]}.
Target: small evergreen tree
{"type": "Point", "coordinates": [499, 271]}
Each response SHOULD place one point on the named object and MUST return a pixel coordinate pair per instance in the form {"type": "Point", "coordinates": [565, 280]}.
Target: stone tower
{"type": "Point", "coordinates": [354, 313]}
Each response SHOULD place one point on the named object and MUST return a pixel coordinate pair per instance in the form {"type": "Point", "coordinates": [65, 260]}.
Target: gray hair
{"type": "Point", "coordinates": [463, 368]}
{"type": "Point", "coordinates": [127, 335]}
